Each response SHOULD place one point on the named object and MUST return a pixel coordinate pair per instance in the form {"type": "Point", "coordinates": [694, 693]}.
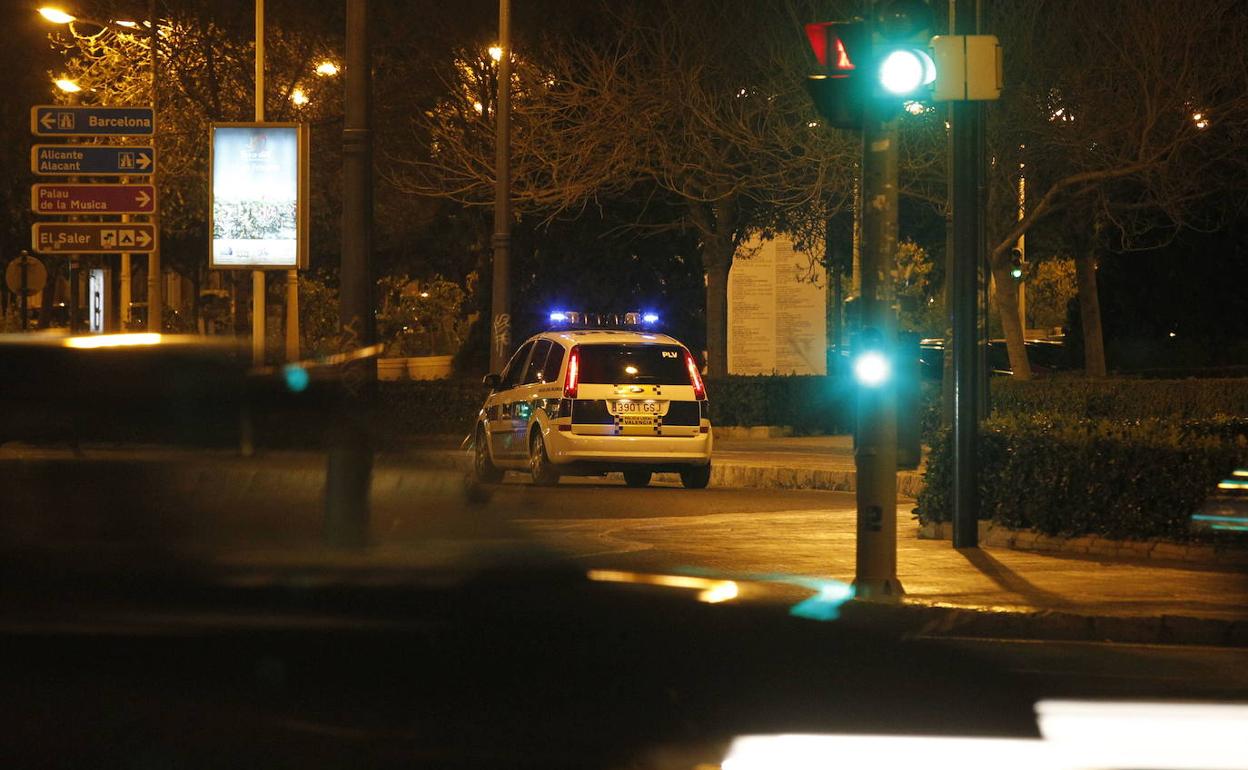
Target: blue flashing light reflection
{"type": "Point", "coordinates": [296, 378]}
{"type": "Point", "coordinates": [825, 605]}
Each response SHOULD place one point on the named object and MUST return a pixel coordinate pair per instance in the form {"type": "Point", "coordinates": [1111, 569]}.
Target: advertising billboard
{"type": "Point", "coordinates": [257, 180]}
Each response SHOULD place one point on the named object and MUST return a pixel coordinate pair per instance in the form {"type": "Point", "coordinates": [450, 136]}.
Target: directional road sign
{"type": "Point", "coordinates": [92, 198]}
{"type": "Point", "coordinates": [93, 237]}
{"type": "Point", "coordinates": [108, 160]}
{"type": "Point", "coordinates": [53, 120]}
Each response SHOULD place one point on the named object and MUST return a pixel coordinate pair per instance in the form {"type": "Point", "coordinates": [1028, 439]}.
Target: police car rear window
{"type": "Point", "coordinates": [643, 364]}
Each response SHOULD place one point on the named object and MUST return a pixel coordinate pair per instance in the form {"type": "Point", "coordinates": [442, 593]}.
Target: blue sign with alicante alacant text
{"type": "Point", "coordinates": [87, 159]}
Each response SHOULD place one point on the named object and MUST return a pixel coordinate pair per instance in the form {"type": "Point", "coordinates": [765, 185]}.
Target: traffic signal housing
{"type": "Point", "coordinates": [841, 52]}
{"type": "Point", "coordinates": [902, 65]}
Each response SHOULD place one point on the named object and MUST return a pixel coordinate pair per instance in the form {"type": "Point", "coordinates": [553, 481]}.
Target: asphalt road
{"type": "Point", "coordinates": [1106, 670]}
{"type": "Point", "coordinates": [664, 528]}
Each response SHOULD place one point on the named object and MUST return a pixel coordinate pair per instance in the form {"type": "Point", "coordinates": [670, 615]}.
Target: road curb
{"type": "Point", "coordinates": [727, 474]}
{"type": "Point", "coordinates": [1047, 625]}
{"type": "Point", "coordinates": [998, 536]}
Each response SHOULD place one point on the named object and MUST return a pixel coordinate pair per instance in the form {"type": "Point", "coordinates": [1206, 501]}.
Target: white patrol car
{"type": "Point", "coordinates": [585, 402]}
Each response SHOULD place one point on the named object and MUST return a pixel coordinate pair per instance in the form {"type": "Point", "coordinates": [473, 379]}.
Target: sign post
{"type": "Point", "coordinates": [73, 160]}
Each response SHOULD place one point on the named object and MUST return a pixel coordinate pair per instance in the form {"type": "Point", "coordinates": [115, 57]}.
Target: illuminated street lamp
{"type": "Point", "coordinates": [299, 97]}
{"type": "Point", "coordinates": [327, 69]}
{"type": "Point", "coordinates": [496, 53]}
{"type": "Point", "coordinates": [56, 15]}
{"type": "Point", "coordinates": [67, 85]}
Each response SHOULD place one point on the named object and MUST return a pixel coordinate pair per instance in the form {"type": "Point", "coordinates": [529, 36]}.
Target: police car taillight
{"type": "Point", "coordinates": [695, 377]}
{"type": "Point", "coordinates": [573, 376]}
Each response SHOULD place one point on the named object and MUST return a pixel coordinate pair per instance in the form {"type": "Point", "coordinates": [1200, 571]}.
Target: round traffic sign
{"type": "Point", "coordinates": [36, 275]}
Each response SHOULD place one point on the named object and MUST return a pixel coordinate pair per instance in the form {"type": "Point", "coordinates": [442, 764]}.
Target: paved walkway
{"type": "Point", "coordinates": [987, 591]}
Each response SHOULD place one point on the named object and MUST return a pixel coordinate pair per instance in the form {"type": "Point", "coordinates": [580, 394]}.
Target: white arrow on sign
{"type": "Point", "coordinates": [48, 121]}
{"type": "Point", "coordinates": [144, 160]}
{"type": "Point", "coordinates": [142, 199]}
{"type": "Point", "coordinates": [143, 238]}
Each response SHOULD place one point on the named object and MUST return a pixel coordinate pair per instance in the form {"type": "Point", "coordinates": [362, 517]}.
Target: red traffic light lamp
{"type": "Point", "coordinates": [841, 51]}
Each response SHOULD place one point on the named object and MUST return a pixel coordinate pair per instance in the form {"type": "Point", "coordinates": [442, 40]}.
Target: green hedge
{"type": "Point", "coordinates": [427, 407]}
{"type": "Point", "coordinates": [809, 404]}
{"type": "Point", "coordinates": [1121, 399]}
{"type": "Point", "coordinates": [1120, 479]}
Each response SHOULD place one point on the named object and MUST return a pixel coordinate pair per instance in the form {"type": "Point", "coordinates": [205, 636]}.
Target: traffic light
{"type": "Point", "coordinates": [1016, 263]}
{"type": "Point", "coordinates": [841, 52]}
{"type": "Point", "coordinates": [887, 60]}
{"type": "Point", "coordinates": [872, 362]}
{"type": "Point", "coordinates": [902, 65]}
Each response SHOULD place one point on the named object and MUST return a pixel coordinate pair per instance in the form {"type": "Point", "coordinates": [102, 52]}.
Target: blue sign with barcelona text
{"type": "Point", "coordinates": [56, 120]}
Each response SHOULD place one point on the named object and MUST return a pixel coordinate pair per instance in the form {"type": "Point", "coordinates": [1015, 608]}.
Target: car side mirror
{"type": "Point", "coordinates": [492, 381]}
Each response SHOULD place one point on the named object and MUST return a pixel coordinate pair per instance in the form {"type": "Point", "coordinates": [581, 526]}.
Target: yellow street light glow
{"type": "Point", "coordinates": [496, 53]}
{"type": "Point", "coordinates": [112, 341]}
{"type": "Point", "coordinates": [127, 24]}
{"type": "Point", "coordinates": [67, 85]}
{"type": "Point", "coordinates": [479, 107]}
{"type": "Point", "coordinates": [327, 68]}
{"type": "Point", "coordinates": [299, 97]}
{"type": "Point", "coordinates": [709, 590]}
{"type": "Point", "coordinates": [56, 15]}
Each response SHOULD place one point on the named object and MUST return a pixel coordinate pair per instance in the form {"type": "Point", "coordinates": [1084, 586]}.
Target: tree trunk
{"type": "Point", "coordinates": [1090, 314]}
{"type": "Point", "coordinates": [1006, 297]}
{"type": "Point", "coordinates": [716, 265]}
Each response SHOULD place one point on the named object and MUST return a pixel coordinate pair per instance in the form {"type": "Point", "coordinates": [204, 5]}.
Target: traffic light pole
{"type": "Point", "coordinates": [875, 451]}
{"type": "Point", "coordinates": [964, 290]}
{"type": "Point", "coordinates": [348, 477]}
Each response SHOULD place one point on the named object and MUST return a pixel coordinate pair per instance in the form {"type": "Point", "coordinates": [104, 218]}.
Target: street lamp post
{"type": "Point", "coordinates": [155, 298]}
{"type": "Point", "coordinates": [500, 328]}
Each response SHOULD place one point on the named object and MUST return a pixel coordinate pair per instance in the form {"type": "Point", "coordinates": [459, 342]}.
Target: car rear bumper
{"type": "Point", "coordinates": [565, 447]}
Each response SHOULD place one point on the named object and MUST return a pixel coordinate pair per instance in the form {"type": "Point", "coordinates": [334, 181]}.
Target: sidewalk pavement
{"type": "Point", "coordinates": [990, 591]}
{"type": "Point", "coordinates": [994, 592]}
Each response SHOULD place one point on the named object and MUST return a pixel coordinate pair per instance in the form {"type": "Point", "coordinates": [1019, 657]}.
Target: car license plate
{"type": "Point", "coordinates": [629, 419]}
{"type": "Point", "coordinates": [647, 408]}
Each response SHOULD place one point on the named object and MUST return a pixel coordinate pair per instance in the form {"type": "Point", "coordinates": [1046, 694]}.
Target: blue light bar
{"type": "Point", "coordinates": [650, 318]}
{"type": "Point", "coordinates": [558, 316]}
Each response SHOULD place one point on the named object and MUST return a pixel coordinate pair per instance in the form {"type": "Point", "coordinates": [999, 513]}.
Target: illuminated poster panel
{"type": "Point", "coordinates": [257, 179]}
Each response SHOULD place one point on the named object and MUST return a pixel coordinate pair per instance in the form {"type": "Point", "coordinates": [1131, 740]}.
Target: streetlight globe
{"type": "Point", "coordinates": [496, 53]}
{"type": "Point", "coordinates": [56, 15]}
{"type": "Point", "coordinates": [67, 85]}
{"type": "Point", "coordinates": [327, 68]}
{"type": "Point", "coordinates": [299, 97]}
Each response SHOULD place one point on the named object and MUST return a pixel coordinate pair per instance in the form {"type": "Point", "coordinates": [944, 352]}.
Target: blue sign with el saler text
{"type": "Point", "coordinates": [55, 120]}
{"type": "Point", "coordinates": [86, 159]}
